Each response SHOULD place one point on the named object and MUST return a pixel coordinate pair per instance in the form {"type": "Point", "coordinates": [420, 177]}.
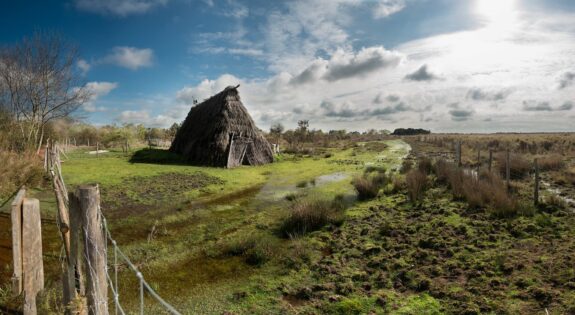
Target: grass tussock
{"type": "Point", "coordinates": [311, 214]}
{"type": "Point", "coordinates": [370, 183]}
{"type": "Point", "coordinates": [17, 170]}
{"type": "Point", "coordinates": [416, 182]}
{"type": "Point", "coordinates": [480, 190]}
{"type": "Point", "coordinates": [519, 167]}
{"type": "Point", "coordinates": [256, 250]}
{"type": "Point", "coordinates": [553, 162]}
{"type": "Point", "coordinates": [555, 201]}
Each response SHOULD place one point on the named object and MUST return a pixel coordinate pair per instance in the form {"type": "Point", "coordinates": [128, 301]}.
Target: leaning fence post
{"type": "Point", "coordinates": [536, 190]}
{"type": "Point", "coordinates": [94, 250]}
{"type": "Point", "coordinates": [32, 265]}
{"type": "Point", "coordinates": [507, 170]}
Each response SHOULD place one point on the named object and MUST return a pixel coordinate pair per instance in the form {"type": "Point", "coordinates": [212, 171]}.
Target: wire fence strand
{"type": "Point", "coordinates": [54, 168]}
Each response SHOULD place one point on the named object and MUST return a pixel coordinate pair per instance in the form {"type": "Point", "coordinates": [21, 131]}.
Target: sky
{"type": "Point", "coordinates": [443, 65]}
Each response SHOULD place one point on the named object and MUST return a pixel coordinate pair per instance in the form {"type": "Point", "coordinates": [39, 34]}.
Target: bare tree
{"type": "Point", "coordinates": [39, 84]}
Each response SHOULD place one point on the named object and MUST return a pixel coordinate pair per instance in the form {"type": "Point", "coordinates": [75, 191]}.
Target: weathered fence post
{"type": "Point", "coordinates": [97, 149]}
{"type": "Point", "coordinates": [33, 268]}
{"type": "Point", "coordinates": [508, 170]}
{"type": "Point", "coordinates": [16, 217]}
{"type": "Point", "coordinates": [536, 190]}
{"type": "Point", "coordinates": [490, 159]}
{"type": "Point", "coordinates": [94, 249]}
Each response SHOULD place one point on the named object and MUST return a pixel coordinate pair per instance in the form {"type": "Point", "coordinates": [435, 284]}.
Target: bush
{"type": "Point", "coordinates": [17, 170]}
{"type": "Point", "coordinates": [551, 163]}
{"type": "Point", "coordinates": [416, 184]}
{"type": "Point", "coordinates": [368, 185]}
{"type": "Point", "coordinates": [424, 164]}
{"type": "Point", "coordinates": [311, 214]}
{"type": "Point", "coordinates": [482, 190]}
{"type": "Point", "coordinates": [406, 166]}
{"type": "Point", "coordinates": [519, 167]}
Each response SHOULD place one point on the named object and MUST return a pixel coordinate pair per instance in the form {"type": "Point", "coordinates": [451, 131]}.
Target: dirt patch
{"type": "Point", "coordinates": [144, 191]}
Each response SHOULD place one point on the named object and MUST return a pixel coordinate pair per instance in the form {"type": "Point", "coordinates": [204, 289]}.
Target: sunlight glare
{"type": "Point", "coordinates": [500, 12]}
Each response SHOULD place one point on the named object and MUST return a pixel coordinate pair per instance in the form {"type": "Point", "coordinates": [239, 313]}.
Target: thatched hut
{"type": "Point", "coordinates": [220, 132]}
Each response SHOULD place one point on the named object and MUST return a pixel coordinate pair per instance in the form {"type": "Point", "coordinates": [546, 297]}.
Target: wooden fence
{"type": "Point", "coordinates": [84, 234]}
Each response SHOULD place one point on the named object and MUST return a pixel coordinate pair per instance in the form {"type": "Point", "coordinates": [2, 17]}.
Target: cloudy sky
{"type": "Point", "coordinates": [444, 65]}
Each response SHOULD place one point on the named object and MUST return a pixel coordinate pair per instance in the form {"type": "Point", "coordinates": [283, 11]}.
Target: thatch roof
{"type": "Point", "coordinates": [220, 132]}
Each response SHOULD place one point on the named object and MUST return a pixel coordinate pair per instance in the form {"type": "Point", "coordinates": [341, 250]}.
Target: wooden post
{"type": "Point", "coordinates": [536, 190]}
{"type": "Point", "coordinates": [508, 170]}
{"type": "Point", "coordinates": [478, 159]}
{"type": "Point", "coordinates": [98, 149]}
{"type": "Point", "coordinates": [33, 269]}
{"type": "Point", "coordinates": [459, 153]}
{"type": "Point", "coordinates": [16, 217]}
{"type": "Point", "coordinates": [95, 249]}
{"type": "Point", "coordinates": [73, 275]}
{"type": "Point", "coordinates": [490, 159]}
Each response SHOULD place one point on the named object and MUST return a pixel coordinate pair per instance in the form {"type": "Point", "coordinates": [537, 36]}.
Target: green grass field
{"type": "Point", "coordinates": [197, 211]}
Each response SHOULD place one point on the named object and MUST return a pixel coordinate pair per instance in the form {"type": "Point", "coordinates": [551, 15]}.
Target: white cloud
{"type": "Point", "coordinates": [84, 66]}
{"type": "Point", "coordinates": [144, 117]}
{"type": "Point", "coordinates": [385, 8]}
{"type": "Point", "coordinates": [118, 7]}
{"type": "Point", "coordinates": [97, 90]}
{"type": "Point", "coordinates": [130, 57]}
{"type": "Point", "coordinates": [206, 89]}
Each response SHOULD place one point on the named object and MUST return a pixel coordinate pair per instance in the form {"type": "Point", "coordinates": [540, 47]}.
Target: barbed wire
{"type": "Point", "coordinates": [54, 168]}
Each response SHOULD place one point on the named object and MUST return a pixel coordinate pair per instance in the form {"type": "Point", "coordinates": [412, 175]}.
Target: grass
{"type": "Point", "coordinates": [208, 210]}
{"type": "Point", "coordinates": [311, 214]}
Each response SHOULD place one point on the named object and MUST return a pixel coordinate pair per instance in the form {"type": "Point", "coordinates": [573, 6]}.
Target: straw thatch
{"type": "Point", "coordinates": [220, 132]}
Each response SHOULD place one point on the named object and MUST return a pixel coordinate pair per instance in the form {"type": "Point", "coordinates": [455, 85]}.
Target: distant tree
{"type": "Point", "coordinates": [410, 132]}
{"type": "Point", "coordinates": [39, 84]}
{"type": "Point", "coordinates": [173, 130]}
{"type": "Point", "coordinates": [276, 131]}
{"type": "Point", "coordinates": [302, 130]}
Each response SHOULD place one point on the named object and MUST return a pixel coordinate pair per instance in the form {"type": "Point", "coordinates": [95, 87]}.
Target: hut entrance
{"type": "Point", "coordinates": [240, 152]}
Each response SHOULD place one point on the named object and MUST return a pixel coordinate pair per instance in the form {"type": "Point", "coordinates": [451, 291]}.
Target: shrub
{"type": "Point", "coordinates": [368, 186]}
{"type": "Point", "coordinates": [311, 214]}
{"type": "Point", "coordinates": [406, 166]}
{"type": "Point", "coordinates": [424, 164]}
{"type": "Point", "coordinates": [551, 163]}
{"type": "Point", "coordinates": [502, 206]}
{"type": "Point", "coordinates": [416, 184]}
{"type": "Point", "coordinates": [398, 184]}
{"type": "Point", "coordinates": [17, 170]}
{"type": "Point", "coordinates": [519, 167]}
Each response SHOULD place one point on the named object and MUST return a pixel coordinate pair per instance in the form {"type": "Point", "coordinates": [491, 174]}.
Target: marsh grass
{"type": "Point", "coordinates": [17, 170]}
{"type": "Point", "coordinates": [416, 181]}
{"type": "Point", "coordinates": [311, 214]}
{"type": "Point", "coordinates": [370, 183]}
{"type": "Point", "coordinates": [553, 162]}
{"type": "Point", "coordinates": [255, 249]}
